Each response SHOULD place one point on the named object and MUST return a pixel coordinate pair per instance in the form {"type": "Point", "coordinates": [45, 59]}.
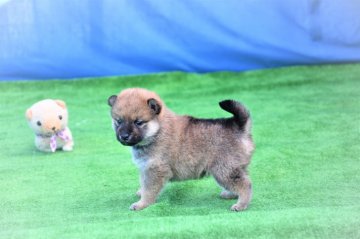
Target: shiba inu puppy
{"type": "Point", "coordinates": [168, 147]}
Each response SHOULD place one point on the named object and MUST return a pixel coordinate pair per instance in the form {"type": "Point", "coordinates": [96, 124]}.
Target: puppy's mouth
{"type": "Point", "coordinates": [128, 143]}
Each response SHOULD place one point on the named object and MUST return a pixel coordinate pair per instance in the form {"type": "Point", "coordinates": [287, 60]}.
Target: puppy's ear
{"type": "Point", "coordinates": [111, 100]}
{"type": "Point", "coordinates": [154, 105]}
{"type": "Point", "coordinates": [28, 114]}
{"type": "Point", "coordinates": [60, 103]}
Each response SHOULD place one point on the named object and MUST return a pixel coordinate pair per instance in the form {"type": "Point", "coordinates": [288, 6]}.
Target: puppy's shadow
{"type": "Point", "coordinates": [194, 195]}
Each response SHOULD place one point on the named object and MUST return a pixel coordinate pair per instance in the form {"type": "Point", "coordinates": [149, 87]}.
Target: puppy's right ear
{"type": "Point", "coordinates": [154, 105]}
{"type": "Point", "coordinates": [28, 114]}
{"type": "Point", "coordinates": [111, 100]}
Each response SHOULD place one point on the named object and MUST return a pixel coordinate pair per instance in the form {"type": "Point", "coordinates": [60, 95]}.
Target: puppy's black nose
{"type": "Point", "coordinates": [124, 137]}
{"type": "Point", "coordinates": [53, 128]}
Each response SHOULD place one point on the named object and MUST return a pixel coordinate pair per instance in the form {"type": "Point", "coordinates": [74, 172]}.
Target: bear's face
{"type": "Point", "coordinates": [47, 117]}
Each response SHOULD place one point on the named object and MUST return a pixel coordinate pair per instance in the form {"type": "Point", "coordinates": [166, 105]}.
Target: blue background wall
{"type": "Point", "coordinates": [42, 39]}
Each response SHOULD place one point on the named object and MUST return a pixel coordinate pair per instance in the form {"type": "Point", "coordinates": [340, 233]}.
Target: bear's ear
{"type": "Point", "coordinates": [60, 103]}
{"type": "Point", "coordinates": [111, 100]}
{"type": "Point", "coordinates": [28, 114]}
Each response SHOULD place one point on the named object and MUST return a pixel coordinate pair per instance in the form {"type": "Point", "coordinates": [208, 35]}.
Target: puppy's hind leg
{"type": "Point", "coordinates": [237, 184]}
{"type": "Point", "coordinates": [242, 187]}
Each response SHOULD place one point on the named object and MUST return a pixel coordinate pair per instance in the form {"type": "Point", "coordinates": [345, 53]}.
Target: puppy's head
{"type": "Point", "coordinates": [135, 116]}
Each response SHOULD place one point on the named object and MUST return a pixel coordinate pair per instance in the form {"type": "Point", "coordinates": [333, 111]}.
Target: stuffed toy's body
{"type": "Point", "coordinates": [48, 119]}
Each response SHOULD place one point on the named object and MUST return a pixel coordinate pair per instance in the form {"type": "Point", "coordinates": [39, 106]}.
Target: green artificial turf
{"type": "Point", "coordinates": [305, 170]}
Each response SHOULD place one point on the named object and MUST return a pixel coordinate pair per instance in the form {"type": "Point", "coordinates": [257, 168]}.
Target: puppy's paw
{"type": "Point", "coordinates": [138, 206]}
{"type": "Point", "coordinates": [228, 195]}
{"type": "Point", "coordinates": [237, 207]}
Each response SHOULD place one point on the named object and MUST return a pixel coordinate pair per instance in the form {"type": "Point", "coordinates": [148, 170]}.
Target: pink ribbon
{"type": "Point", "coordinates": [62, 135]}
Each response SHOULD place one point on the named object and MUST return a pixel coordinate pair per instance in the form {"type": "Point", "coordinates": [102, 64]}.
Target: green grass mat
{"type": "Point", "coordinates": [305, 170]}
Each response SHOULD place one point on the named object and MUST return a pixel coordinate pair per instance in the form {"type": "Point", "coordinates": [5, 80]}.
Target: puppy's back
{"type": "Point", "coordinates": [239, 122]}
{"type": "Point", "coordinates": [222, 136]}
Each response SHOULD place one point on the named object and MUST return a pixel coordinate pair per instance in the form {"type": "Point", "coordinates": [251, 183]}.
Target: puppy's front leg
{"type": "Point", "coordinates": [138, 192]}
{"type": "Point", "coordinates": [153, 180]}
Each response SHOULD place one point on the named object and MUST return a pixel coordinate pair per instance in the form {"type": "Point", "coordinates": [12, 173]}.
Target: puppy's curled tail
{"type": "Point", "coordinates": [241, 114]}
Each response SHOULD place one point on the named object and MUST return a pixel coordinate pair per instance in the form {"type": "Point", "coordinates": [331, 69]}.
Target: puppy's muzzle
{"type": "Point", "coordinates": [127, 139]}
{"type": "Point", "coordinates": [124, 137]}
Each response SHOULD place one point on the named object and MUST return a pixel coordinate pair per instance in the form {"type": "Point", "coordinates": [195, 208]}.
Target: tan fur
{"type": "Point", "coordinates": [183, 149]}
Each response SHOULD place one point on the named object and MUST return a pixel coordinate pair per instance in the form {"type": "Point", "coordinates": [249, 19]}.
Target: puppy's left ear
{"type": "Point", "coordinates": [111, 100]}
{"type": "Point", "coordinates": [154, 105]}
{"type": "Point", "coordinates": [60, 103]}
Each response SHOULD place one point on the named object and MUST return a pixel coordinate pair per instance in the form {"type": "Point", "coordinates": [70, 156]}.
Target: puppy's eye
{"type": "Point", "coordinates": [139, 122]}
{"type": "Point", "coordinates": [119, 121]}
{"type": "Point", "coordinates": [38, 123]}
{"type": "Point", "coordinates": [60, 117]}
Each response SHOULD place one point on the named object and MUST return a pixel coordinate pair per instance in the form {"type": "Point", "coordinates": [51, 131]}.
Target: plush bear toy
{"type": "Point", "coordinates": [49, 118]}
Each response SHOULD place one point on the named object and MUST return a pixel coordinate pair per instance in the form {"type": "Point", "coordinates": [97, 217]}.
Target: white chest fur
{"type": "Point", "coordinates": [140, 158]}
